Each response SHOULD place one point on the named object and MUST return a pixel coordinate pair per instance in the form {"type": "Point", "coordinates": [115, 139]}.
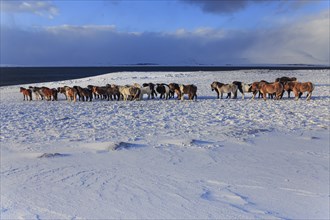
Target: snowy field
{"type": "Point", "coordinates": [204, 159]}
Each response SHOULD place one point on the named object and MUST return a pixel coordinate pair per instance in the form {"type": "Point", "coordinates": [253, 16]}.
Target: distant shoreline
{"type": "Point", "coordinates": [25, 75]}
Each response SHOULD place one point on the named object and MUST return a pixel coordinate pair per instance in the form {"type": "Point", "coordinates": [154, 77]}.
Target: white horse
{"type": "Point", "coordinates": [144, 90]}
{"type": "Point", "coordinates": [242, 87]}
{"type": "Point", "coordinates": [227, 88]}
{"type": "Point", "coordinates": [129, 91]}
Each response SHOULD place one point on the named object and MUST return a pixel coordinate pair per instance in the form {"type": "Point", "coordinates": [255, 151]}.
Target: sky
{"type": "Point", "coordinates": [173, 32]}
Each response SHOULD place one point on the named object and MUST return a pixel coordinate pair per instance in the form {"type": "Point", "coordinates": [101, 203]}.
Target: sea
{"type": "Point", "coordinates": [28, 75]}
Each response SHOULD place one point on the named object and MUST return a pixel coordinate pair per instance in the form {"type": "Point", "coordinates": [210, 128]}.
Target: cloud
{"type": "Point", "coordinates": [222, 7]}
{"type": "Point", "coordinates": [304, 42]}
{"type": "Point", "coordinates": [41, 8]}
{"type": "Point", "coordinates": [233, 6]}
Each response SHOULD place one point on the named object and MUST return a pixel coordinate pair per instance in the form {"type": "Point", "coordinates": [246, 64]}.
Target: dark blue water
{"type": "Point", "coordinates": [27, 75]}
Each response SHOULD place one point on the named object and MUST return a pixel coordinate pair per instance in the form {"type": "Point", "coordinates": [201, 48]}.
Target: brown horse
{"type": "Point", "coordinates": [288, 86]}
{"type": "Point", "coordinates": [26, 93]}
{"type": "Point", "coordinates": [174, 89]}
{"type": "Point", "coordinates": [49, 93]}
{"type": "Point", "coordinates": [84, 93]}
{"type": "Point", "coordinates": [301, 87]}
{"type": "Point", "coordinates": [256, 87]}
{"type": "Point", "coordinates": [271, 88]}
{"type": "Point", "coordinates": [71, 93]}
{"type": "Point", "coordinates": [191, 90]}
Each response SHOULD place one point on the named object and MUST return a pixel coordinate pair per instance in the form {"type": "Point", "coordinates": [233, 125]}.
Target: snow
{"type": "Point", "coordinates": [167, 159]}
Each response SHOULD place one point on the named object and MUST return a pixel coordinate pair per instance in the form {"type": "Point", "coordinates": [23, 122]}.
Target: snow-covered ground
{"type": "Point", "coordinates": [204, 159]}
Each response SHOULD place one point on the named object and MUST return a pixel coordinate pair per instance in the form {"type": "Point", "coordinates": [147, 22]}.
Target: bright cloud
{"type": "Point", "coordinates": [41, 8]}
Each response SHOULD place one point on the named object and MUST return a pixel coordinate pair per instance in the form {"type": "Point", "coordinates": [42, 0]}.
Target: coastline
{"type": "Point", "coordinates": [24, 75]}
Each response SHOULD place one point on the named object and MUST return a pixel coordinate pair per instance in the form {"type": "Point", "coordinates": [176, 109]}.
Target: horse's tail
{"type": "Point", "coordinates": [312, 87]}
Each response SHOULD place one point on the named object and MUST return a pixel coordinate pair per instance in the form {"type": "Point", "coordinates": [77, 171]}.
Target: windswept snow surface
{"type": "Point", "coordinates": [167, 159]}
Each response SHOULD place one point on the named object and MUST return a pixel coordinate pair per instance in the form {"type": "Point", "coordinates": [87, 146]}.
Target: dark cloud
{"type": "Point", "coordinates": [232, 6]}
{"type": "Point", "coordinates": [222, 6]}
{"type": "Point", "coordinates": [306, 41]}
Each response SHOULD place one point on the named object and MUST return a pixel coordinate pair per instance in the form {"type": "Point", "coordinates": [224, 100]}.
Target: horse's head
{"type": "Point", "coordinates": [214, 85]}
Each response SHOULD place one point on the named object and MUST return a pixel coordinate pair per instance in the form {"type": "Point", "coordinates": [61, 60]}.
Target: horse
{"type": "Point", "coordinates": [71, 93]}
{"type": "Point", "coordinates": [46, 93]}
{"type": "Point", "coordinates": [214, 87]}
{"type": "Point", "coordinates": [63, 91]}
{"type": "Point", "coordinates": [271, 88]}
{"type": "Point", "coordinates": [191, 90]}
{"type": "Point", "coordinates": [227, 88]}
{"type": "Point", "coordinates": [301, 87]}
{"type": "Point", "coordinates": [174, 89]}
{"type": "Point", "coordinates": [242, 87]}
{"type": "Point", "coordinates": [129, 91]}
{"type": "Point", "coordinates": [288, 86]}
{"type": "Point", "coordinates": [163, 90]}
{"type": "Point", "coordinates": [101, 91]}
{"type": "Point", "coordinates": [144, 90]}
{"type": "Point", "coordinates": [255, 88]}
{"type": "Point", "coordinates": [112, 91]}
{"type": "Point", "coordinates": [26, 93]}
{"type": "Point", "coordinates": [37, 92]}
{"type": "Point", "coordinates": [84, 93]}
{"type": "Point", "coordinates": [152, 87]}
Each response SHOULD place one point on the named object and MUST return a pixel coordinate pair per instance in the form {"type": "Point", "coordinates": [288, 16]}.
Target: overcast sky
{"type": "Point", "coordinates": [175, 32]}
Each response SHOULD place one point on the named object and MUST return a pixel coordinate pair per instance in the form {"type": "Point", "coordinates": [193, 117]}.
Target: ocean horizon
{"type": "Point", "coordinates": [16, 75]}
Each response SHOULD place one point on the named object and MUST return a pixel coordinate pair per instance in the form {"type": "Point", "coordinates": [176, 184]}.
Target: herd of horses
{"type": "Point", "coordinates": [166, 91]}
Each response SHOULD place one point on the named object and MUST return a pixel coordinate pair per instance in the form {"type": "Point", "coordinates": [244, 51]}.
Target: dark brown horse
{"type": "Point", "coordinates": [288, 86]}
{"type": "Point", "coordinates": [84, 93]}
{"type": "Point", "coordinates": [285, 79]}
{"type": "Point", "coordinates": [191, 90]}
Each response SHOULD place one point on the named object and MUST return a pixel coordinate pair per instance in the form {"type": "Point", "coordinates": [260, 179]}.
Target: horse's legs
{"type": "Point", "coordinates": [235, 95]}
{"type": "Point", "coordinates": [309, 96]}
{"type": "Point", "coordinates": [289, 93]}
{"type": "Point", "coordinates": [264, 95]}
{"type": "Point", "coordinates": [218, 95]}
{"type": "Point", "coordinates": [296, 94]}
{"type": "Point", "coordinates": [254, 94]}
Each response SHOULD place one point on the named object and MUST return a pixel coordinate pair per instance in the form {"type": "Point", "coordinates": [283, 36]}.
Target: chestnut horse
{"type": "Point", "coordinates": [174, 89]}
{"type": "Point", "coordinates": [71, 93]}
{"type": "Point", "coordinates": [271, 88]}
{"type": "Point", "coordinates": [26, 93]}
{"type": "Point", "coordinates": [255, 88]}
{"type": "Point", "coordinates": [301, 87]}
